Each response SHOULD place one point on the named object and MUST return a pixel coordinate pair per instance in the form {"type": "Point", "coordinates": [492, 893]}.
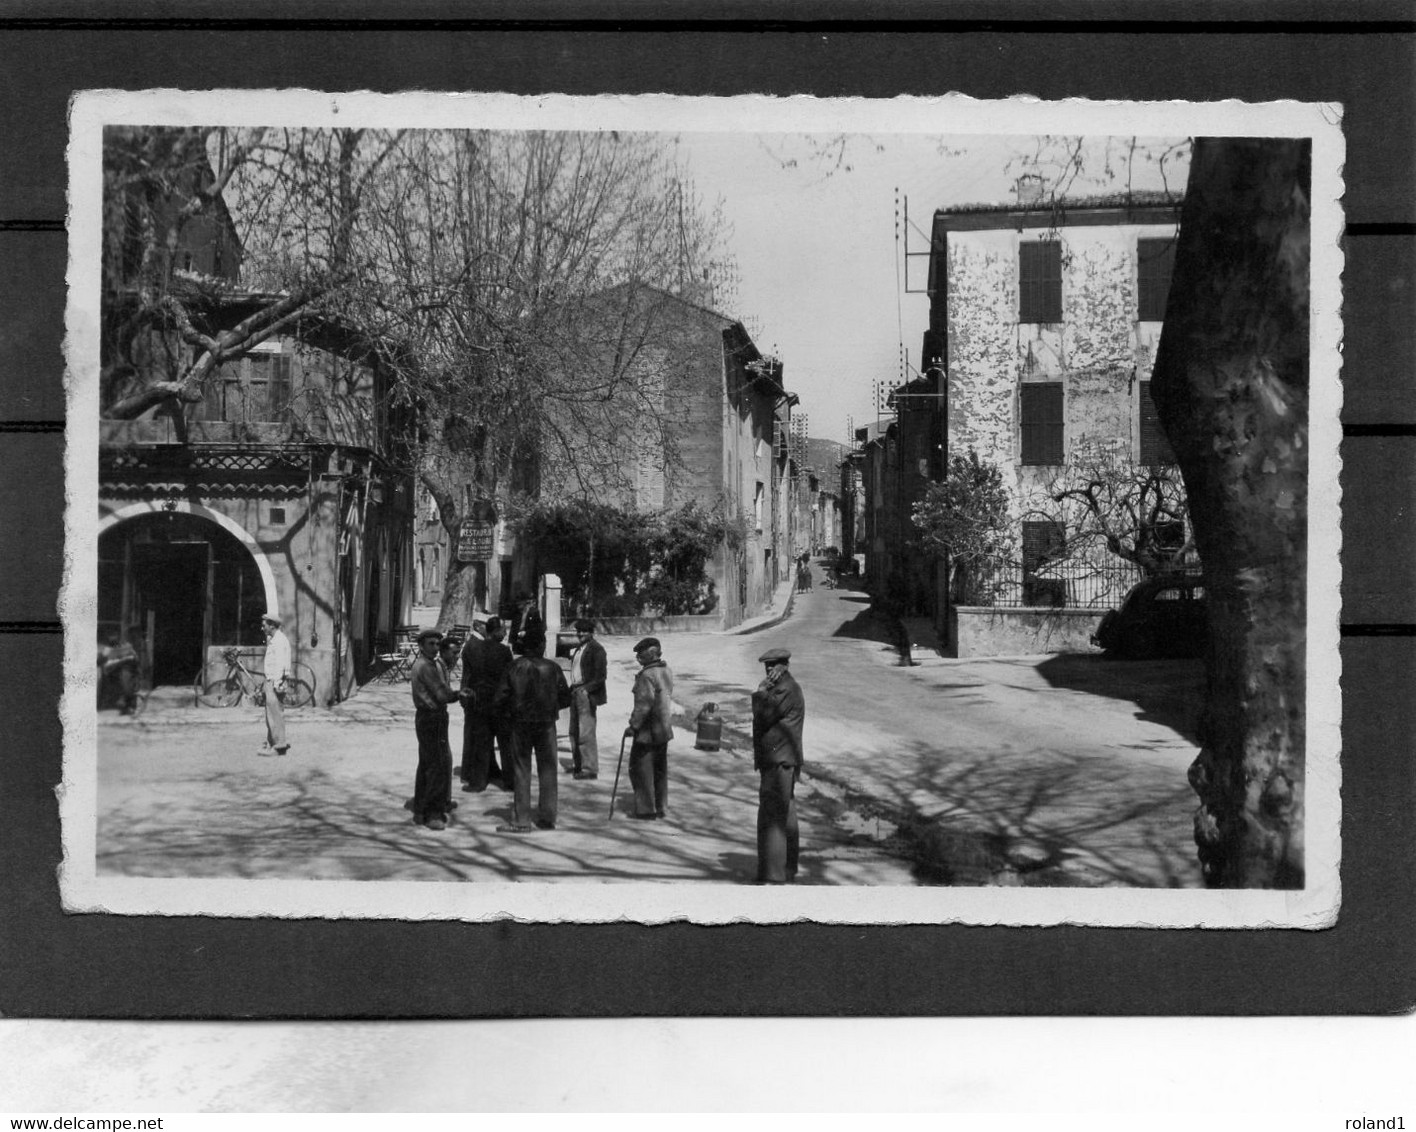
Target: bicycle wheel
{"type": "Point", "coordinates": [225, 692]}
{"type": "Point", "coordinates": [297, 694]}
{"type": "Point", "coordinates": [300, 688]}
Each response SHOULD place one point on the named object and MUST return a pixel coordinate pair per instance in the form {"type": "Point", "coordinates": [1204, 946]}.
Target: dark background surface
{"type": "Point", "coordinates": [52, 964]}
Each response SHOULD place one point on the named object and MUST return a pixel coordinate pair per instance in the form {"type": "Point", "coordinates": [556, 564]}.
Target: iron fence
{"type": "Point", "coordinates": [1074, 583]}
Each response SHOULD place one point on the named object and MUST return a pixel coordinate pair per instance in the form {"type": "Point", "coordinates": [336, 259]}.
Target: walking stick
{"type": "Point", "coordinates": [615, 790]}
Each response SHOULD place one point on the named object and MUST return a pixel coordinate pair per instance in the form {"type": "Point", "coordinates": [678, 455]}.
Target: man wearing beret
{"type": "Point", "coordinates": [587, 692]}
{"type": "Point", "coordinates": [778, 710]}
{"type": "Point", "coordinates": [650, 730]}
{"type": "Point", "coordinates": [531, 695]}
{"type": "Point", "coordinates": [432, 785]}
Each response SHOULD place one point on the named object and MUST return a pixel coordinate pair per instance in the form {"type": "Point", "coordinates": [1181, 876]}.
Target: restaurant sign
{"type": "Point", "coordinates": [474, 540]}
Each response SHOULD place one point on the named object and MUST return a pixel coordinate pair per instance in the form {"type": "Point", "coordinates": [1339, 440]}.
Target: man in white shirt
{"type": "Point", "coordinates": [587, 692]}
{"type": "Point", "coordinates": [277, 673]}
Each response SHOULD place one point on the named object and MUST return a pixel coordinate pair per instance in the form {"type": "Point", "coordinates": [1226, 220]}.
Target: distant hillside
{"type": "Point", "coordinates": [825, 455]}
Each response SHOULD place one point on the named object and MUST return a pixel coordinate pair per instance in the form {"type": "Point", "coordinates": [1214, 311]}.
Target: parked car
{"type": "Point", "coordinates": [1164, 616]}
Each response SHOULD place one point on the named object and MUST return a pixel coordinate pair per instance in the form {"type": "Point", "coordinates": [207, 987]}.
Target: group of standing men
{"type": "Point", "coordinates": [512, 703]}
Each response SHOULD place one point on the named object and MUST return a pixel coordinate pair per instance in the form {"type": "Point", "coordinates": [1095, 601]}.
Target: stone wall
{"type": "Point", "coordinates": [647, 625]}
{"type": "Point", "coordinates": [976, 630]}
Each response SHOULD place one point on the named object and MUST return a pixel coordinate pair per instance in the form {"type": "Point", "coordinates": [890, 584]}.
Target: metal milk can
{"type": "Point", "coordinates": [710, 729]}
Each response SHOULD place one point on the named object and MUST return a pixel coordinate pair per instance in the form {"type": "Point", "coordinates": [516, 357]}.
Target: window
{"type": "Point", "coordinates": [268, 382]}
{"type": "Point", "coordinates": [1154, 261]}
{"type": "Point", "coordinates": [1041, 413]}
{"type": "Point", "coordinates": [253, 388]}
{"type": "Point", "coordinates": [1040, 281]}
{"type": "Point", "coordinates": [757, 497]}
{"type": "Point", "coordinates": [1155, 448]}
{"type": "Point", "coordinates": [1043, 541]}
{"type": "Point", "coordinates": [221, 395]}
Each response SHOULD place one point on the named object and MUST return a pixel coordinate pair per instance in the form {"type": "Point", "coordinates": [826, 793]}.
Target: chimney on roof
{"type": "Point", "coordinates": [1028, 189]}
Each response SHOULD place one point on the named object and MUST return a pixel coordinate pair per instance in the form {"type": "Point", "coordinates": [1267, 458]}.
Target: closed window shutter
{"type": "Point", "coordinates": [1043, 540]}
{"type": "Point", "coordinates": [213, 396]}
{"type": "Point", "coordinates": [280, 388]}
{"type": "Point", "coordinates": [1041, 405]}
{"type": "Point", "coordinates": [1155, 447]}
{"type": "Point", "coordinates": [1154, 261]}
{"type": "Point", "coordinates": [1040, 281]}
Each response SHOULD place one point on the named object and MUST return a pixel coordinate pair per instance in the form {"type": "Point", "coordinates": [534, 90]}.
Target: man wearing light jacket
{"type": "Point", "coordinates": [650, 729]}
{"type": "Point", "coordinates": [277, 673]}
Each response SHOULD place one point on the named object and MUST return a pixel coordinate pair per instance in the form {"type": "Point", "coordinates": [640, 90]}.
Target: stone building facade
{"type": "Point", "coordinates": [1045, 320]}
{"type": "Point", "coordinates": [707, 420]}
{"type": "Point", "coordinates": [719, 438]}
{"type": "Point", "coordinates": [1043, 327]}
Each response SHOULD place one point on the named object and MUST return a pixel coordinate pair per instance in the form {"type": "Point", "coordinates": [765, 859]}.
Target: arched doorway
{"type": "Point", "coordinates": [176, 583]}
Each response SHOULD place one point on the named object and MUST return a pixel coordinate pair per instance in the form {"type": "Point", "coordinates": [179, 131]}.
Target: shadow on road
{"type": "Point", "coordinates": [867, 626]}
{"type": "Point", "coordinates": [1168, 692]}
{"type": "Point", "coordinates": [1050, 819]}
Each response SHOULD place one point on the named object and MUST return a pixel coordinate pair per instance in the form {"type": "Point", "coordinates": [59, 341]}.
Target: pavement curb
{"type": "Point", "coordinates": [766, 622]}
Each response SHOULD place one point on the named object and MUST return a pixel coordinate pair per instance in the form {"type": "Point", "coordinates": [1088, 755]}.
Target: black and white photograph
{"type": "Point", "coordinates": [584, 509]}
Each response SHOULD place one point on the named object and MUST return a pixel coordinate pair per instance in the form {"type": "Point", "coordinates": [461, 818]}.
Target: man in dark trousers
{"type": "Point", "coordinates": [778, 711]}
{"type": "Point", "coordinates": [650, 731]}
{"type": "Point", "coordinates": [432, 786]}
{"type": "Point", "coordinates": [588, 667]}
{"type": "Point", "coordinates": [531, 695]}
{"type": "Point", "coordinates": [484, 663]}
{"type": "Point", "coordinates": [528, 623]}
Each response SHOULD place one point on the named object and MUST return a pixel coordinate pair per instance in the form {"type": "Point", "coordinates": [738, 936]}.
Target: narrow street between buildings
{"type": "Point", "coordinates": [1065, 770]}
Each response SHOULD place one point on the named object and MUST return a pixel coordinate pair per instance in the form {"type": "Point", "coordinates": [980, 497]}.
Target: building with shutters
{"type": "Point", "coordinates": [1044, 322]}
{"type": "Point", "coordinates": [277, 491]}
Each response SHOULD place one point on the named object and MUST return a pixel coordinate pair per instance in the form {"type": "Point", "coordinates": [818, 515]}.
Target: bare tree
{"type": "Point", "coordinates": [1108, 505]}
{"type": "Point", "coordinates": [510, 269]}
{"type": "Point", "coordinates": [164, 335]}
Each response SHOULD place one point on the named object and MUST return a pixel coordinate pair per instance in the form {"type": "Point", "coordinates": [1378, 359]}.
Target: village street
{"type": "Point", "coordinates": [1063, 770]}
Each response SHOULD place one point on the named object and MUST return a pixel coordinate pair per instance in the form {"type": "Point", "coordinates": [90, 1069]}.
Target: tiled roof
{"type": "Point", "coordinates": [1141, 198]}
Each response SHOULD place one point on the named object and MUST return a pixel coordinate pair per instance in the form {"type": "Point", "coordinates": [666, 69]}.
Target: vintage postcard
{"type": "Point", "coordinates": [712, 509]}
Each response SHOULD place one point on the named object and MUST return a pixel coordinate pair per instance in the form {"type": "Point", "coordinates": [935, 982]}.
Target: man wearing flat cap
{"type": "Point", "coordinates": [587, 692]}
{"type": "Point", "coordinates": [432, 785]}
{"type": "Point", "coordinates": [778, 711]}
{"type": "Point", "coordinates": [277, 674]}
{"type": "Point", "coordinates": [650, 729]}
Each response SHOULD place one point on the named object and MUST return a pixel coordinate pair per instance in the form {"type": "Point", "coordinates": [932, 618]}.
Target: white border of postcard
{"type": "Point", "coordinates": [702, 902]}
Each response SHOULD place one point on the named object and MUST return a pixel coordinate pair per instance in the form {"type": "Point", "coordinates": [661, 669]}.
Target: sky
{"type": "Point", "coordinates": [822, 272]}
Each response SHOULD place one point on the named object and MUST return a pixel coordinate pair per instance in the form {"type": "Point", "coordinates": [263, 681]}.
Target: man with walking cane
{"type": "Point", "coordinates": [778, 711]}
{"type": "Point", "coordinates": [650, 730]}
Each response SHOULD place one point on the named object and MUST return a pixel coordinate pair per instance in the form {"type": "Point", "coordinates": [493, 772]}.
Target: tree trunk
{"type": "Point", "coordinates": [459, 597]}
{"type": "Point", "coordinates": [1231, 388]}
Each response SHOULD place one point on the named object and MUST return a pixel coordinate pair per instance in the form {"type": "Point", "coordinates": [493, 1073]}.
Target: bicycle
{"type": "Point", "coordinates": [240, 681]}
